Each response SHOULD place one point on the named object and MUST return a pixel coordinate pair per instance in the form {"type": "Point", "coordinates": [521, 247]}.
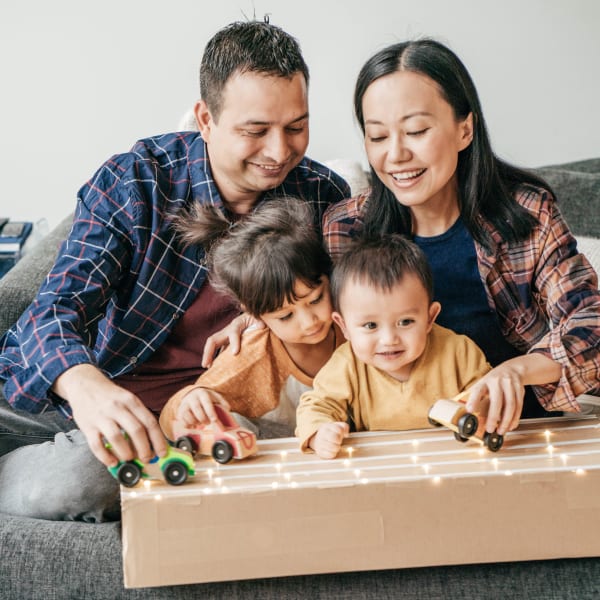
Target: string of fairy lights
{"type": "Point", "coordinates": [543, 446]}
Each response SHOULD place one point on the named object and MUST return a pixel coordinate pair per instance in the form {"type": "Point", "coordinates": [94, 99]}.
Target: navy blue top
{"type": "Point", "coordinates": [459, 289]}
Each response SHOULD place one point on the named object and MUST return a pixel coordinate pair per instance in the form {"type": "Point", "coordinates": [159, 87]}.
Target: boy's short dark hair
{"type": "Point", "coordinates": [381, 262]}
{"type": "Point", "coordinates": [260, 259]}
{"type": "Point", "coordinates": [246, 46]}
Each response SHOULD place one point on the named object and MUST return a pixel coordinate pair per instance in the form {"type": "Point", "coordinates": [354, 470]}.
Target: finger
{"type": "Point", "coordinates": [496, 399]}
{"type": "Point", "coordinates": [477, 394]}
{"type": "Point", "coordinates": [209, 409]}
{"type": "Point", "coordinates": [208, 354]}
{"type": "Point", "coordinates": [98, 447]}
{"type": "Point", "coordinates": [234, 342]}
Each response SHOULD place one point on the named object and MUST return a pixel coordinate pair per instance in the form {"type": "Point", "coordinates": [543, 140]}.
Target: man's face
{"type": "Point", "coordinates": [259, 137]}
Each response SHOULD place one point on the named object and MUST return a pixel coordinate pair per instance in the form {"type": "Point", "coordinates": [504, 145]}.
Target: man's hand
{"type": "Point", "coordinates": [198, 407]}
{"type": "Point", "coordinates": [232, 335]}
{"type": "Point", "coordinates": [105, 411]}
{"type": "Point", "coordinates": [328, 440]}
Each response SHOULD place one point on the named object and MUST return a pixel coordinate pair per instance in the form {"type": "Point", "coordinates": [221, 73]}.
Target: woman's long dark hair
{"type": "Point", "coordinates": [486, 184]}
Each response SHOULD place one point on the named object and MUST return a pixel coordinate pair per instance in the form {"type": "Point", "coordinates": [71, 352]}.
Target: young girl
{"type": "Point", "coordinates": [276, 268]}
{"type": "Point", "coordinates": [506, 267]}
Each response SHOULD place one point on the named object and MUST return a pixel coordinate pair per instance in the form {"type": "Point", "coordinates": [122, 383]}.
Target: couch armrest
{"type": "Point", "coordinates": [20, 285]}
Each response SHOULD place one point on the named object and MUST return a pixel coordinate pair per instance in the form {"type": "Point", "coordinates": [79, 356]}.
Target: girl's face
{"type": "Point", "coordinates": [412, 140]}
{"type": "Point", "coordinates": [305, 321]}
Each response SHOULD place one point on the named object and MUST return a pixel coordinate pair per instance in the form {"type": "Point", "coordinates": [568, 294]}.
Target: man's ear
{"type": "Point", "coordinates": [466, 132]}
{"type": "Point", "coordinates": [339, 321]}
{"type": "Point", "coordinates": [434, 311]}
{"type": "Point", "coordinates": [204, 119]}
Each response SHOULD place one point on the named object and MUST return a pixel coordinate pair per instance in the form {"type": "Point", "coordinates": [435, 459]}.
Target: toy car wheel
{"type": "Point", "coordinates": [493, 441]}
{"type": "Point", "coordinates": [433, 422]}
{"type": "Point", "coordinates": [187, 444]}
{"type": "Point", "coordinates": [467, 425]}
{"type": "Point", "coordinates": [459, 437]}
{"type": "Point", "coordinates": [175, 473]}
{"type": "Point", "coordinates": [129, 474]}
{"type": "Point", "coordinates": [222, 452]}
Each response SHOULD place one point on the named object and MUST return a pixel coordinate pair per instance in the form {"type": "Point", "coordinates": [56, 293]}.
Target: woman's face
{"type": "Point", "coordinates": [412, 140]}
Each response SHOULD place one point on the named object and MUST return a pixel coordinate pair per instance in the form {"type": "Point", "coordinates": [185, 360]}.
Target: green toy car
{"type": "Point", "coordinates": [174, 467]}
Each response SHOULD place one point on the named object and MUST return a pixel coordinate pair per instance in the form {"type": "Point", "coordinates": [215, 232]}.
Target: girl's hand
{"type": "Point", "coordinates": [328, 440]}
{"type": "Point", "coordinates": [231, 334]}
{"type": "Point", "coordinates": [198, 407]}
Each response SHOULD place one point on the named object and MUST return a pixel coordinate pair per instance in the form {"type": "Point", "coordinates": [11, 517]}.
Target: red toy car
{"type": "Point", "coordinates": [223, 439]}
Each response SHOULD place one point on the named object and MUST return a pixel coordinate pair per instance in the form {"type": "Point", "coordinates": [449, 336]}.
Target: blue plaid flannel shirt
{"type": "Point", "coordinates": [121, 279]}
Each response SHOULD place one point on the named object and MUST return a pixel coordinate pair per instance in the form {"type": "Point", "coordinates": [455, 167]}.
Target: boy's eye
{"type": "Point", "coordinates": [370, 325]}
{"type": "Point", "coordinates": [405, 322]}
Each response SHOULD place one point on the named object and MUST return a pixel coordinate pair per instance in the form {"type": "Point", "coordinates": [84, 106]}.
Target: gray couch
{"type": "Point", "coordinates": [59, 560]}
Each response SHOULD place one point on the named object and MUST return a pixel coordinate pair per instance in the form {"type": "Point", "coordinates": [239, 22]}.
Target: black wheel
{"type": "Point", "coordinates": [175, 473]}
{"type": "Point", "coordinates": [129, 474]}
{"type": "Point", "coordinates": [467, 425]}
{"type": "Point", "coordinates": [459, 437]}
{"type": "Point", "coordinates": [493, 441]}
{"type": "Point", "coordinates": [433, 422]}
{"type": "Point", "coordinates": [222, 452]}
{"type": "Point", "coordinates": [187, 444]}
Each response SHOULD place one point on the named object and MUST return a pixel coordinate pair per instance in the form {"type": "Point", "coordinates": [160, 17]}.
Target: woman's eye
{"type": "Point", "coordinates": [417, 133]}
{"type": "Point", "coordinates": [286, 317]}
{"type": "Point", "coordinates": [376, 139]}
{"type": "Point", "coordinates": [317, 299]}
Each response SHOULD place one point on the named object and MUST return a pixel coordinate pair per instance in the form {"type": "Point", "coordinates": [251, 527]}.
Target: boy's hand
{"type": "Point", "coordinates": [197, 407]}
{"type": "Point", "coordinates": [231, 334]}
{"type": "Point", "coordinates": [328, 440]}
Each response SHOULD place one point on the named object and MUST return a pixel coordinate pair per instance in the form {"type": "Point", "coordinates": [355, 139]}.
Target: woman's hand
{"type": "Point", "coordinates": [328, 440]}
{"type": "Point", "coordinates": [231, 334]}
{"type": "Point", "coordinates": [198, 407]}
{"type": "Point", "coordinates": [500, 393]}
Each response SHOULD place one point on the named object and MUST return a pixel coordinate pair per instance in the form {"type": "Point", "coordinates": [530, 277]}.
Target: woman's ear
{"type": "Point", "coordinates": [466, 132]}
{"type": "Point", "coordinates": [204, 119]}
{"type": "Point", "coordinates": [339, 321]}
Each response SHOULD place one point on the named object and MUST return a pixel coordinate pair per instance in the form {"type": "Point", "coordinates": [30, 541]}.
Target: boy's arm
{"type": "Point", "coordinates": [329, 400]}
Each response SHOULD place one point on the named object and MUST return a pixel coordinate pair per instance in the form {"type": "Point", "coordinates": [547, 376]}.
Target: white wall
{"type": "Point", "coordinates": [83, 80]}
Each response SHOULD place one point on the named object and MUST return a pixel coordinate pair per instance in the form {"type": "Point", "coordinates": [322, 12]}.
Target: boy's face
{"type": "Point", "coordinates": [306, 321]}
{"type": "Point", "coordinates": [260, 135]}
{"type": "Point", "coordinates": [387, 329]}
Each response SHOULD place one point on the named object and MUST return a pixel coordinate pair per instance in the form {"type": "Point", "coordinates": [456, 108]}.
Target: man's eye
{"type": "Point", "coordinates": [295, 130]}
{"type": "Point", "coordinates": [255, 133]}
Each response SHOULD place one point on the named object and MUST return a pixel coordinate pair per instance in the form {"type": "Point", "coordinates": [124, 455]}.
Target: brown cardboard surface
{"type": "Point", "coordinates": [390, 500]}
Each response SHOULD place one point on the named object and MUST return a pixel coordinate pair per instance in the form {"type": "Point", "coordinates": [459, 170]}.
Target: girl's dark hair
{"type": "Point", "coordinates": [381, 262]}
{"type": "Point", "coordinates": [486, 184]}
{"type": "Point", "coordinates": [258, 259]}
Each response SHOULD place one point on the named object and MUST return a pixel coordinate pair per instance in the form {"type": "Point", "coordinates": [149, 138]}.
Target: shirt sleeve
{"type": "Point", "coordinates": [58, 330]}
{"type": "Point", "coordinates": [330, 399]}
{"type": "Point", "coordinates": [567, 286]}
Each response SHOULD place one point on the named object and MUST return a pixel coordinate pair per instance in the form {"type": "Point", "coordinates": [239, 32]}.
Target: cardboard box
{"type": "Point", "coordinates": [390, 500]}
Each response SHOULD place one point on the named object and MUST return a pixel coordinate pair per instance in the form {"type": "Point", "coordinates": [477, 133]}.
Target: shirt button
{"type": "Point", "coordinates": [133, 360]}
{"type": "Point", "coordinates": [175, 316]}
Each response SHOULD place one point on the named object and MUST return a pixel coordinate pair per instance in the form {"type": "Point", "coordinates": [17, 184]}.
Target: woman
{"type": "Point", "coordinates": [505, 264]}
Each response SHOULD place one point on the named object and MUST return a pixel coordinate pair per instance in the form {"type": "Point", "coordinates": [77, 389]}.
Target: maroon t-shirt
{"type": "Point", "coordinates": [177, 362]}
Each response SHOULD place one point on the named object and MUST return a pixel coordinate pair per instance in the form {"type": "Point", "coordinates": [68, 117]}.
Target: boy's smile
{"type": "Point", "coordinates": [387, 328]}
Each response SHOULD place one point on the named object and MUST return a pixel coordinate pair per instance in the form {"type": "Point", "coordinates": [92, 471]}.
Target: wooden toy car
{"type": "Point", "coordinates": [454, 415]}
{"type": "Point", "coordinates": [223, 439]}
{"type": "Point", "coordinates": [174, 467]}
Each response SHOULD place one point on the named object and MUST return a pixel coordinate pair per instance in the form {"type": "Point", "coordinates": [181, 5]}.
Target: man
{"type": "Point", "coordinates": [121, 321]}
